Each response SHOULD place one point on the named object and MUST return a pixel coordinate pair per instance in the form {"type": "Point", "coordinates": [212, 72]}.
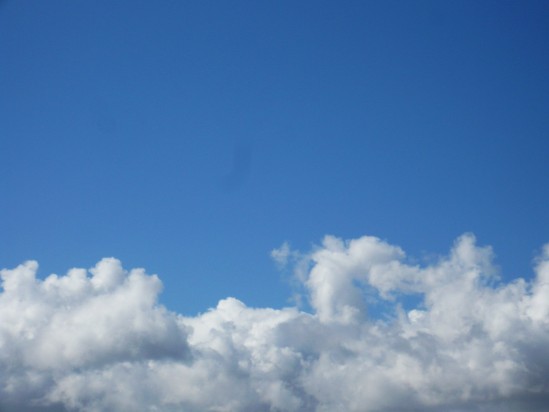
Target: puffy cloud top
{"type": "Point", "coordinates": [99, 340]}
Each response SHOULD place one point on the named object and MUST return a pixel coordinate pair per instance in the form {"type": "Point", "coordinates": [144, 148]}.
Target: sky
{"type": "Point", "coordinates": [297, 170]}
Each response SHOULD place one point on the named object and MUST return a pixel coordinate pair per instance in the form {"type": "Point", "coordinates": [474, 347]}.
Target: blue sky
{"type": "Point", "coordinates": [192, 138]}
{"type": "Point", "coordinates": [365, 157]}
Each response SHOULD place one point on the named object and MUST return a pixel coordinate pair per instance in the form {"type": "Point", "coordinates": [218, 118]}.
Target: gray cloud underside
{"type": "Point", "coordinates": [99, 340]}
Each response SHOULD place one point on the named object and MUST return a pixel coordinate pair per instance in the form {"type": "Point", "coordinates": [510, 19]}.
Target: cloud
{"type": "Point", "coordinates": [100, 341]}
{"type": "Point", "coordinates": [282, 254]}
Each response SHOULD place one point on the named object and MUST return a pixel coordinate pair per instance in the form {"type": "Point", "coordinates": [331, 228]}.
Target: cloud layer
{"type": "Point", "coordinates": [99, 340]}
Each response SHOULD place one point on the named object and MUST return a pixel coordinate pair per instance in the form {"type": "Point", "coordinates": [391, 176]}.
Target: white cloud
{"type": "Point", "coordinates": [282, 254]}
{"type": "Point", "coordinates": [99, 341]}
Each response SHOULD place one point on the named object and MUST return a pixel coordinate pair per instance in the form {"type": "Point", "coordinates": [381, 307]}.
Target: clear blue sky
{"type": "Point", "coordinates": [193, 137]}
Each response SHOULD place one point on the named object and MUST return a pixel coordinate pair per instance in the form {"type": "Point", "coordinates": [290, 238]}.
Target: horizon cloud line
{"type": "Point", "coordinates": [99, 340]}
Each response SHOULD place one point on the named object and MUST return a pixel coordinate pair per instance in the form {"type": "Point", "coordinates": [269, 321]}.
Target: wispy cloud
{"type": "Point", "coordinates": [99, 340]}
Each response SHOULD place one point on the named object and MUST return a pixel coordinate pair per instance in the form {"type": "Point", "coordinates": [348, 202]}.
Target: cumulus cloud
{"type": "Point", "coordinates": [98, 340]}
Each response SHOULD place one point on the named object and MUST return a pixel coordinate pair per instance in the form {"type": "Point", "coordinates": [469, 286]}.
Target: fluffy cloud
{"type": "Point", "coordinates": [99, 341]}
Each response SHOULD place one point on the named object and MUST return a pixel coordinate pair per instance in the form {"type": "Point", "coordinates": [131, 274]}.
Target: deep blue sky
{"type": "Point", "coordinates": [192, 137]}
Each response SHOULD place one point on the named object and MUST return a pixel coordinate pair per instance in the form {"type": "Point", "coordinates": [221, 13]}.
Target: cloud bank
{"type": "Point", "coordinates": [100, 341]}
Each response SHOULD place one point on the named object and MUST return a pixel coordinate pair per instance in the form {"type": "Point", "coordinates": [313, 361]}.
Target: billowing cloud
{"type": "Point", "coordinates": [100, 341]}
